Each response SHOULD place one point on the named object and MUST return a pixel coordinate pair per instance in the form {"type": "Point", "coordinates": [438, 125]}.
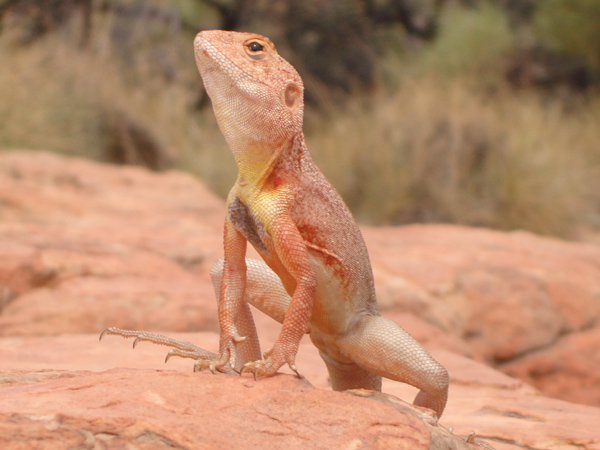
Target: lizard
{"type": "Point", "coordinates": [315, 275]}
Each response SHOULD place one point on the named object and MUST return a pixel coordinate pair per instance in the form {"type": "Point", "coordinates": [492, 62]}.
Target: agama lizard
{"type": "Point", "coordinates": [316, 276]}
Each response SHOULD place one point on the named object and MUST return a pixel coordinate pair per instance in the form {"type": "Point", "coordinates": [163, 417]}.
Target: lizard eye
{"type": "Point", "coordinates": [255, 49]}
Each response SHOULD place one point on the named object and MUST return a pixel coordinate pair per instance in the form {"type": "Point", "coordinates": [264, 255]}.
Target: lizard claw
{"type": "Point", "coordinates": [202, 364]}
{"type": "Point", "coordinates": [237, 338]}
{"type": "Point", "coordinates": [292, 366]}
{"type": "Point", "coordinates": [221, 361]}
{"type": "Point", "coordinates": [247, 368]}
{"type": "Point", "coordinates": [257, 368]}
{"type": "Point", "coordinates": [266, 367]}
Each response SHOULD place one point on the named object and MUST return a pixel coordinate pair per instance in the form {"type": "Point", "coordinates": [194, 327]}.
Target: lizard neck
{"type": "Point", "coordinates": [257, 160]}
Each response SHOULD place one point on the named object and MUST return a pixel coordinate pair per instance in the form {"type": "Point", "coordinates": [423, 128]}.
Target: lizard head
{"type": "Point", "coordinates": [257, 95]}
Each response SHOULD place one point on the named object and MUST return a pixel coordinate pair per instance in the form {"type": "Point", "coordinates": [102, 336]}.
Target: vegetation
{"type": "Point", "coordinates": [571, 26]}
{"type": "Point", "coordinates": [461, 125]}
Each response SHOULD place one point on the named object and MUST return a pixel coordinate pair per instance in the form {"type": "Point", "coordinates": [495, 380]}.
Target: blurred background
{"type": "Point", "coordinates": [476, 112]}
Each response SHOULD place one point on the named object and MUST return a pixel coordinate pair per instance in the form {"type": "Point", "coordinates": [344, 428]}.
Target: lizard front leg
{"type": "Point", "coordinates": [293, 254]}
{"type": "Point", "coordinates": [264, 290]}
{"type": "Point", "coordinates": [238, 342]}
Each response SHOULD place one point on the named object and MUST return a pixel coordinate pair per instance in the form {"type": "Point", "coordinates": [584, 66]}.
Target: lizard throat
{"type": "Point", "coordinates": [256, 162]}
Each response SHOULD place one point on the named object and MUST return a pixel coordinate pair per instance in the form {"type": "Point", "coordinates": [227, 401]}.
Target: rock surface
{"type": "Point", "coordinates": [118, 246]}
{"type": "Point", "coordinates": [196, 411]}
{"type": "Point", "coordinates": [513, 300]}
{"type": "Point", "coordinates": [84, 246]}
{"type": "Point", "coordinates": [71, 383]}
{"type": "Point", "coordinates": [505, 294]}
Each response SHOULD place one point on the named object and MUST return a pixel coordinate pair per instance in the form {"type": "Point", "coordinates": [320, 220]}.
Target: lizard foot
{"type": "Point", "coordinates": [204, 358]}
{"type": "Point", "coordinates": [268, 367]}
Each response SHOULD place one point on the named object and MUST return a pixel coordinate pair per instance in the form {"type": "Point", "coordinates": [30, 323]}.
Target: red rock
{"type": "Point", "coordinates": [158, 409]}
{"type": "Point", "coordinates": [504, 295]}
{"type": "Point", "coordinates": [85, 245]}
{"type": "Point", "coordinates": [566, 370]}
{"type": "Point", "coordinates": [82, 399]}
{"type": "Point", "coordinates": [474, 283]}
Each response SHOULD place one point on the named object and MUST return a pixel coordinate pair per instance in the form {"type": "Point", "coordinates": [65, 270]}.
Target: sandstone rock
{"type": "Point", "coordinates": [64, 391]}
{"type": "Point", "coordinates": [164, 409]}
{"type": "Point", "coordinates": [567, 370]}
{"type": "Point", "coordinates": [85, 245]}
{"type": "Point", "coordinates": [504, 295]}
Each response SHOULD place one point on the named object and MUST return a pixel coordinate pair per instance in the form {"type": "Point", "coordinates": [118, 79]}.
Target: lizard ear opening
{"type": "Point", "coordinates": [292, 95]}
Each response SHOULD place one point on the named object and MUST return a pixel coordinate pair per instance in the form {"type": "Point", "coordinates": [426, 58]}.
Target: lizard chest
{"type": "Point", "coordinates": [242, 217]}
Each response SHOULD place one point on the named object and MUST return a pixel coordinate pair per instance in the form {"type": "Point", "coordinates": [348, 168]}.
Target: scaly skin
{"type": "Point", "coordinates": [316, 276]}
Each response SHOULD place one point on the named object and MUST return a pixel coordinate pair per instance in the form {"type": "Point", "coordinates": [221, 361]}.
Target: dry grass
{"type": "Point", "coordinates": [433, 147]}
{"type": "Point", "coordinates": [449, 141]}
{"type": "Point", "coordinates": [440, 151]}
{"type": "Point", "coordinates": [57, 97]}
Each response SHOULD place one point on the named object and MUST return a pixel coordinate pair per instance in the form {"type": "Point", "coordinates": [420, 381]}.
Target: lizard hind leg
{"type": "Point", "coordinates": [381, 346]}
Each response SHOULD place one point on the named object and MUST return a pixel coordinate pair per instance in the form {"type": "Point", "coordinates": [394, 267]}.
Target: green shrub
{"type": "Point", "coordinates": [471, 41]}
{"type": "Point", "coordinates": [570, 26]}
